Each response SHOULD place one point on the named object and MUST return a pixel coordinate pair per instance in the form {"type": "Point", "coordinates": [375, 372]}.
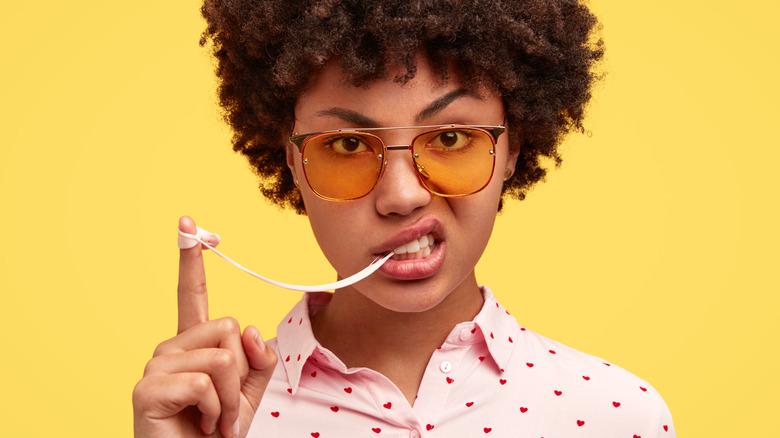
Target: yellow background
{"type": "Point", "coordinates": [655, 246]}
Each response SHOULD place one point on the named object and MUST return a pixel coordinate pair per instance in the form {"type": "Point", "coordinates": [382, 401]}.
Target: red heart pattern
{"type": "Point", "coordinates": [534, 358]}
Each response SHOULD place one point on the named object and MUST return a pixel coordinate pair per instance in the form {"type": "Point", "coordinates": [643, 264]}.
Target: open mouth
{"type": "Point", "coordinates": [416, 249]}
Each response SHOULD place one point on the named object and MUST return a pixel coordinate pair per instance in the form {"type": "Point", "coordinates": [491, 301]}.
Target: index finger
{"type": "Point", "coordinates": [193, 300]}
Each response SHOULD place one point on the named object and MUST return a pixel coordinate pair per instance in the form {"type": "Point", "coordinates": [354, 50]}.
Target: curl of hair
{"type": "Point", "coordinates": [538, 55]}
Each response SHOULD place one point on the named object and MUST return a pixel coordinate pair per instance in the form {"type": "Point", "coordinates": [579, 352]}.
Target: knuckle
{"type": "Point", "coordinates": [223, 360]}
{"type": "Point", "coordinates": [201, 383]}
{"type": "Point", "coordinates": [161, 349]}
{"type": "Point", "coordinates": [268, 364]}
{"type": "Point", "coordinates": [150, 367]}
{"type": "Point", "coordinates": [231, 405]}
{"type": "Point", "coordinates": [140, 395]}
{"type": "Point", "coordinates": [197, 287]}
{"type": "Point", "coordinates": [229, 325]}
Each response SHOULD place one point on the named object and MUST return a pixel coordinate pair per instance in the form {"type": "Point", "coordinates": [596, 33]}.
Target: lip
{"type": "Point", "coordinates": [418, 268]}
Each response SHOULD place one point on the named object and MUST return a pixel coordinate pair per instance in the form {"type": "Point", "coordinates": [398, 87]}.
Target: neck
{"type": "Point", "coordinates": [398, 345]}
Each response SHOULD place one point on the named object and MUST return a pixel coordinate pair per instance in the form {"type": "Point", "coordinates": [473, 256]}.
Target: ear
{"type": "Point", "coordinates": [511, 160]}
{"type": "Point", "coordinates": [291, 153]}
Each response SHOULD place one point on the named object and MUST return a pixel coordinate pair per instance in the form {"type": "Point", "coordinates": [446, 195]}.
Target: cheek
{"type": "Point", "coordinates": [338, 227]}
{"type": "Point", "coordinates": [476, 214]}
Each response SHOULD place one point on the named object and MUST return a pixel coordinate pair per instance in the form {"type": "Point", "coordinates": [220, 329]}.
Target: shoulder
{"type": "Point", "coordinates": [594, 390]}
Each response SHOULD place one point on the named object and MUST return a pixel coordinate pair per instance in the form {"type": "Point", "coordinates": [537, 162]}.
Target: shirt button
{"type": "Point", "coordinates": [465, 335]}
{"type": "Point", "coordinates": [445, 367]}
{"type": "Point", "coordinates": [414, 434]}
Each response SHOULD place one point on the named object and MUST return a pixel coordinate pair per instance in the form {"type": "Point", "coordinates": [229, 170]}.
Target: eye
{"type": "Point", "coordinates": [348, 145]}
{"type": "Point", "coordinates": [451, 140]}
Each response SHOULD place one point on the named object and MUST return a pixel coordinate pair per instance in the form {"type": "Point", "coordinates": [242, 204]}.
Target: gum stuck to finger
{"type": "Point", "coordinates": [187, 240]}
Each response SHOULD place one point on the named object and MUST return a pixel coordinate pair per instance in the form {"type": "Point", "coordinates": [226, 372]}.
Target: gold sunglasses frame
{"type": "Point", "coordinates": [493, 131]}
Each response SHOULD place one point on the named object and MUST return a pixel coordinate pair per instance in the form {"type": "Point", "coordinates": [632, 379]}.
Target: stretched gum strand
{"type": "Point", "coordinates": [370, 269]}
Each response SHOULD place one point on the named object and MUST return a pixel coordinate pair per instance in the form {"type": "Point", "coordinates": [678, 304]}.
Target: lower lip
{"type": "Point", "coordinates": [416, 269]}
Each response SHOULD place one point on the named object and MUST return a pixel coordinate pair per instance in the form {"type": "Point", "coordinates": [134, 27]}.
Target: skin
{"type": "Point", "coordinates": [208, 380]}
{"type": "Point", "coordinates": [390, 325]}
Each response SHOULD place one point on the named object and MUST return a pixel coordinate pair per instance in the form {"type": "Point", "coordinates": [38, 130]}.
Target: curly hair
{"type": "Point", "coordinates": [538, 55]}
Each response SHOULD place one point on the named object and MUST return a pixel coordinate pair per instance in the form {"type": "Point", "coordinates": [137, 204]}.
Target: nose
{"type": "Point", "coordinates": [399, 191]}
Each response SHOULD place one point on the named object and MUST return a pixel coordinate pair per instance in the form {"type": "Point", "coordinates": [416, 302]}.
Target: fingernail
{"type": "Point", "coordinates": [236, 429]}
{"type": "Point", "coordinates": [259, 340]}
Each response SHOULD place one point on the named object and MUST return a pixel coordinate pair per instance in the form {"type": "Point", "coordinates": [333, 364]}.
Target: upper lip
{"type": "Point", "coordinates": [422, 227]}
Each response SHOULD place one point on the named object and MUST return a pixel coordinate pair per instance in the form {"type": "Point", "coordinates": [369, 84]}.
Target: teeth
{"type": "Point", "coordinates": [415, 249]}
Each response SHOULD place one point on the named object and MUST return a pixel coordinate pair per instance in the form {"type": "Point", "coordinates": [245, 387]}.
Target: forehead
{"type": "Point", "coordinates": [389, 102]}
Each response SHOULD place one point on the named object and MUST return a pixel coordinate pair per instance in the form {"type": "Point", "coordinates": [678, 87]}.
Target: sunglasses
{"type": "Point", "coordinates": [451, 160]}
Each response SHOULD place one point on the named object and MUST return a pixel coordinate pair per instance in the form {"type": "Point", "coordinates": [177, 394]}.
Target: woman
{"type": "Point", "coordinates": [410, 122]}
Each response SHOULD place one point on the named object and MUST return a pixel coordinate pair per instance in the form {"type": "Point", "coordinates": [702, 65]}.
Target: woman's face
{"type": "Point", "coordinates": [400, 210]}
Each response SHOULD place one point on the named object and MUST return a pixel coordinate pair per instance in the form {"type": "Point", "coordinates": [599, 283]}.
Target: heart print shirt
{"type": "Point", "coordinates": [490, 378]}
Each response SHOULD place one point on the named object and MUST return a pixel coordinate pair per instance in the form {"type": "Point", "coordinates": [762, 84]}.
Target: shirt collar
{"type": "Point", "coordinates": [295, 336]}
{"type": "Point", "coordinates": [493, 325]}
{"type": "Point", "coordinates": [499, 329]}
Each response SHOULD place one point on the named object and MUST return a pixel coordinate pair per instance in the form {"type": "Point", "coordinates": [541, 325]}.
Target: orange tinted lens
{"type": "Point", "coordinates": [454, 161]}
{"type": "Point", "coordinates": [342, 165]}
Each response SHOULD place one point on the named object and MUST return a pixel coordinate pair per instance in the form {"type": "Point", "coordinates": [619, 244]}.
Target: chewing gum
{"type": "Point", "coordinates": [210, 240]}
{"type": "Point", "coordinates": [187, 242]}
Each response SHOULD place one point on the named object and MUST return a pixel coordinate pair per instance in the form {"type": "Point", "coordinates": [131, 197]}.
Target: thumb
{"type": "Point", "coordinates": [262, 361]}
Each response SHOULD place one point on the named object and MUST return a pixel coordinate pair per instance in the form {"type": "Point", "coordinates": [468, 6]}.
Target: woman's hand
{"type": "Point", "coordinates": [209, 378]}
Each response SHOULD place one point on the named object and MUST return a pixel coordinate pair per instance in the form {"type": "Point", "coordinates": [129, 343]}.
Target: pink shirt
{"type": "Point", "coordinates": [490, 378]}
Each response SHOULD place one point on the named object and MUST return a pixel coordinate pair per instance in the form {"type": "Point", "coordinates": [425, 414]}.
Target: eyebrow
{"type": "Point", "coordinates": [439, 104]}
{"type": "Point", "coordinates": [361, 121]}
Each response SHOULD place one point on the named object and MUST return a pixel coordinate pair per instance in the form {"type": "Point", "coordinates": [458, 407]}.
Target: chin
{"type": "Point", "coordinates": [407, 297]}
